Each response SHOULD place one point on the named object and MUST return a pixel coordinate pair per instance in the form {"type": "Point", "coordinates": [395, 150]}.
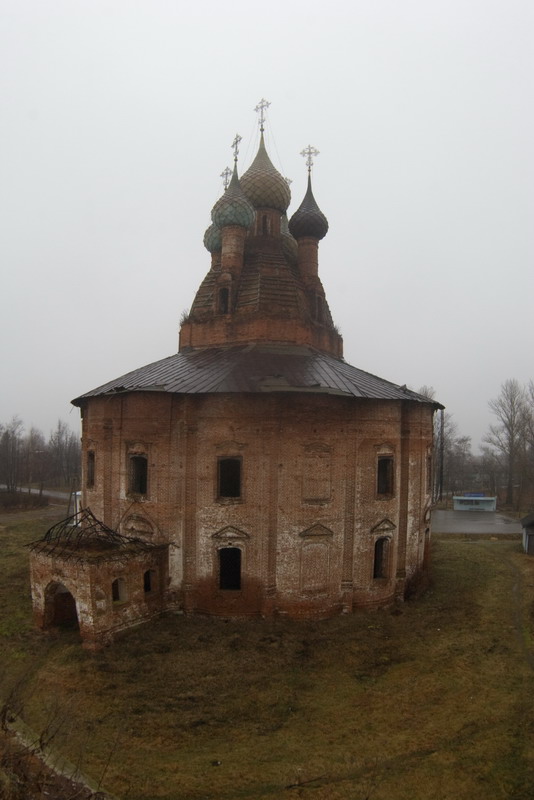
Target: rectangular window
{"type": "Point", "coordinates": [90, 475]}
{"type": "Point", "coordinates": [384, 475]}
{"type": "Point", "coordinates": [137, 479]}
{"type": "Point", "coordinates": [429, 474]}
{"type": "Point", "coordinates": [118, 590]}
{"type": "Point", "coordinates": [381, 558]}
{"type": "Point", "coordinates": [229, 478]}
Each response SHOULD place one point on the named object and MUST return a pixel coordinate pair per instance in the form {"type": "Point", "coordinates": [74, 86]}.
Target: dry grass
{"type": "Point", "coordinates": [429, 701]}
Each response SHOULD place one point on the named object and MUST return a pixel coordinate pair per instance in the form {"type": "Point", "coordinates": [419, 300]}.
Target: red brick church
{"type": "Point", "coordinates": [254, 472]}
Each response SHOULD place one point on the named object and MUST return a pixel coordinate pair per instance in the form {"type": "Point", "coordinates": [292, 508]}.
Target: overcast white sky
{"type": "Point", "coordinates": [117, 120]}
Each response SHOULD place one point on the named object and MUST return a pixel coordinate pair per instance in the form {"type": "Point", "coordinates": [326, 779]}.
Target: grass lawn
{"type": "Point", "coordinates": [431, 700]}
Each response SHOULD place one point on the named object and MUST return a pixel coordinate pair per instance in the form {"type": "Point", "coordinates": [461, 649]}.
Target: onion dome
{"type": "Point", "coordinates": [233, 208]}
{"type": "Point", "coordinates": [263, 184]}
{"type": "Point", "coordinates": [213, 239]}
{"type": "Point", "coordinates": [308, 219]}
{"type": "Point", "coordinates": [289, 243]}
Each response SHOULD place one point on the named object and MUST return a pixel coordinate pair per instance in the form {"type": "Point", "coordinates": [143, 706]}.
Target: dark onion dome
{"type": "Point", "coordinates": [263, 184]}
{"type": "Point", "coordinates": [289, 243]}
{"type": "Point", "coordinates": [212, 239]}
{"type": "Point", "coordinates": [233, 208]}
{"type": "Point", "coordinates": [308, 219]}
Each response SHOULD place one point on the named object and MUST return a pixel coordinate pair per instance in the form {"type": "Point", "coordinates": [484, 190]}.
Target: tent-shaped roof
{"type": "Point", "coordinates": [83, 537]}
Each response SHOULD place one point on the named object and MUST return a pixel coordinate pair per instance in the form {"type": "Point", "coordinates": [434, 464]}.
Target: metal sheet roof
{"type": "Point", "coordinates": [255, 368]}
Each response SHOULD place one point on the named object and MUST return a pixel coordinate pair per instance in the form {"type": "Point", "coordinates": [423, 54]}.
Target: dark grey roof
{"type": "Point", "coordinates": [255, 368]}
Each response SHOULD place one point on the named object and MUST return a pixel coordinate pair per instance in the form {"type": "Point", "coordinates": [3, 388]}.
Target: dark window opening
{"type": "Point", "coordinates": [380, 562]}
{"type": "Point", "coordinates": [384, 482]}
{"type": "Point", "coordinates": [90, 481]}
{"type": "Point", "coordinates": [229, 477]}
{"type": "Point", "coordinates": [230, 569]}
{"type": "Point", "coordinates": [149, 581]}
{"type": "Point", "coordinates": [224, 301]}
{"type": "Point", "coordinates": [118, 590]}
{"type": "Point", "coordinates": [429, 474]}
{"type": "Point", "coordinates": [264, 224]}
{"type": "Point", "coordinates": [138, 474]}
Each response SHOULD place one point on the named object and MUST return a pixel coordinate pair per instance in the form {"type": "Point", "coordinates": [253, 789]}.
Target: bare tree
{"type": "Point", "coordinates": [34, 456]}
{"type": "Point", "coordinates": [63, 454]}
{"type": "Point", "coordinates": [11, 453]}
{"type": "Point", "coordinates": [507, 437]}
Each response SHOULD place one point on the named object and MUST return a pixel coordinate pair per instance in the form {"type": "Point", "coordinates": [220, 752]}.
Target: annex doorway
{"type": "Point", "coordinates": [60, 608]}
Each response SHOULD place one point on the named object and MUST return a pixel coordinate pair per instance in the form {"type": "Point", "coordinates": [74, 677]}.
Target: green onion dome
{"type": "Point", "coordinates": [263, 184]}
{"type": "Point", "coordinates": [308, 219]}
{"type": "Point", "coordinates": [289, 243]}
{"type": "Point", "coordinates": [212, 239]}
{"type": "Point", "coordinates": [233, 208]}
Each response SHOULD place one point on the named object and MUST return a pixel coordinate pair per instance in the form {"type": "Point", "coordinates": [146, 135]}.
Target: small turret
{"type": "Point", "coordinates": [308, 225]}
{"type": "Point", "coordinates": [233, 214]}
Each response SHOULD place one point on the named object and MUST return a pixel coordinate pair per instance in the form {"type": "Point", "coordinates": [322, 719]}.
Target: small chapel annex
{"type": "Point", "coordinates": [254, 472]}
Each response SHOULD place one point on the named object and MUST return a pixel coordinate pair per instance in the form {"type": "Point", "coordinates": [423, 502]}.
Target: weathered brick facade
{"type": "Point", "coordinates": [274, 478]}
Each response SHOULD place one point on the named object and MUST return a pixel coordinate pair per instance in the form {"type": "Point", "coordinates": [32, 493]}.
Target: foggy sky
{"type": "Point", "coordinates": [118, 118]}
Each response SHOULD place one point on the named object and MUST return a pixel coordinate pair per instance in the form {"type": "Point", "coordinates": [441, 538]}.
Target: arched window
{"type": "Point", "coordinates": [230, 569]}
{"type": "Point", "coordinates": [149, 581]}
{"type": "Point", "coordinates": [380, 564]}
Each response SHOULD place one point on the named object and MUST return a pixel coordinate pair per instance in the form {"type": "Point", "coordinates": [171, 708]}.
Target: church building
{"type": "Point", "coordinates": [254, 472]}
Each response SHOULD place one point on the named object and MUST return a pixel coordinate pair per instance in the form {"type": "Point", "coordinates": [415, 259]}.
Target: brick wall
{"type": "Point", "coordinates": [308, 516]}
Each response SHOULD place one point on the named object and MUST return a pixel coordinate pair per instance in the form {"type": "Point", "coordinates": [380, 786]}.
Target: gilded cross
{"type": "Point", "coordinates": [235, 145]}
{"type": "Point", "coordinates": [226, 174]}
{"type": "Point", "coordinates": [309, 152]}
{"type": "Point", "coordinates": [262, 105]}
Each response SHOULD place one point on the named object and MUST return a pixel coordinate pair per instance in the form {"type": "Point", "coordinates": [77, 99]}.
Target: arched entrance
{"type": "Point", "coordinates": [60, 607]}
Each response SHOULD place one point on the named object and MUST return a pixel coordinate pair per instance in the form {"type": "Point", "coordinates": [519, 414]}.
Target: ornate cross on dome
{"type": "Point", "coordinates": [226, 174]}
{"type": "Point", "coordinates": [235, 145]}
{"type": "Point", "coordinates": [309, 152]}
{"type": "Point", "coordinates": [262, 105]}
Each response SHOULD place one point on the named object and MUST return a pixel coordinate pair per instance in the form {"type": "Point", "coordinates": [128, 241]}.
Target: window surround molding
{"type": "Point", "coordinates": [229, 536]}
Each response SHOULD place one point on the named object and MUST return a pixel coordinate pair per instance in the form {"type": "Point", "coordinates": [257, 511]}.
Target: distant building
{"type": "Point", "coordinates": [254, 472]}
{"type": "Point", "coordinates": [474, 502]}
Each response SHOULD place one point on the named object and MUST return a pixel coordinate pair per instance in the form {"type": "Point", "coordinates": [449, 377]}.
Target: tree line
{"type": "Point", "coordinates": [28, 458]}
{"type": "Point", "coordinates": [505, 467]}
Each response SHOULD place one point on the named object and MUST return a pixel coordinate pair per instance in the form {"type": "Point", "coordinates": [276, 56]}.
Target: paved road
{"type": "Point", "coordinates": [47, 492]}
{"type": "Point", "coordinates": [473, 522]}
